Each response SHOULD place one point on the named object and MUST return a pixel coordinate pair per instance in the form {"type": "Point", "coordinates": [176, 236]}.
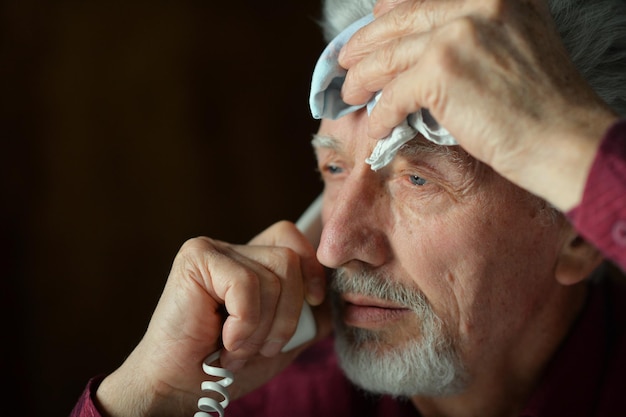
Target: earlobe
{"type": "Point", "coordinates": [577, 260]}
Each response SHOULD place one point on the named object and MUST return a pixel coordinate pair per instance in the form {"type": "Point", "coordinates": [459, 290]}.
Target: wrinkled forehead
{"type": "Point", "coordinates": [416, 148]}
{"type": "Point", "coordinates": [421, 146]}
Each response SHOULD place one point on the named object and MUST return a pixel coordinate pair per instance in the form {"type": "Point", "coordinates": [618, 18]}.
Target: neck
{"type": "Point", "coordinates": [501, 382]}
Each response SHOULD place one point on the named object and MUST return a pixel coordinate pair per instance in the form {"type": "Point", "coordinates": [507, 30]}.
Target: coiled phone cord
{"type": "Point", "coordinates": [209, 405]}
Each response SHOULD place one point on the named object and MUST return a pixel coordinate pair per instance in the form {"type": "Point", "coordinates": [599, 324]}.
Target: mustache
{"type": "Point", "coordinates": [379, 285]}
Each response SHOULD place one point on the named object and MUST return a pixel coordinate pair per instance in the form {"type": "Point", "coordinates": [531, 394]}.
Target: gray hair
{"type": "Point", "coordinates": [593, 31]}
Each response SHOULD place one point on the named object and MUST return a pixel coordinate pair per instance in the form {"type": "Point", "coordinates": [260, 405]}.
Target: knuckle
{"type": "Point", "coordinates": [195, 244]}
{"type": "Point", "coordinates": [460, 37]}
{"type": "Point", "coordinates": [356, 80]}
{"type": "Point", "coordinates": [352, 76]}
{"type": "Point", "coordinates": [193, 252]}
{"type": "Point", "coordinates": [247, 279]}
{"type": "Point", "coordinates": [408, 11]}
{"type": "Point", "coordinates": [252, 345]}
{"type": "Point", "coordinates": [495, 9]}
{"type": "Point", "coordinates": [200, 252]}
{"type": "Point", "coordinates": [386, 58]}
{"type": "Point", "coordinates": [461, 31]}
{"type": "Point", "coordinates": [283, 226]}
{"type": "Point", "coordinates": [390, 109]}
{"type": "Point", "coordinates": [272, 286]}
{"type": "Point", "coordinates": [283, 262]}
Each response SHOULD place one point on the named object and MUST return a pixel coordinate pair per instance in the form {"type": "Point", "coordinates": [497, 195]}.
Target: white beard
{"type": "Point", "coordinates": [427, 364]}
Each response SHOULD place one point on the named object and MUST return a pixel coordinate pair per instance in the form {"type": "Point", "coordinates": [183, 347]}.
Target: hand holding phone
{"type": "Point", "coordinates": [310, 225]}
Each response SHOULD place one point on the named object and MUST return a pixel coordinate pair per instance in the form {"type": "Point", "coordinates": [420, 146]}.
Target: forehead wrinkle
{"type": "Point", "coordinates": [419, 145]}
{"type": "Point", "coordinates": [451, 154]}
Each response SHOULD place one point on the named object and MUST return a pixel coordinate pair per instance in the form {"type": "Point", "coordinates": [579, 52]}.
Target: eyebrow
{"type": "Point", "coordinates": [469, 170]}
{"type": "Point", "coordinates": [419, 145]}
{"type": "Point", "coordinates": [323, 141]}
{"type": "Point", "coordinates": [412, 148]}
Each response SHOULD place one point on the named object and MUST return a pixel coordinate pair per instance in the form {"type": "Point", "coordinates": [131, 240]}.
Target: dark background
{"type": "Point", "coordinates": [128, 127]}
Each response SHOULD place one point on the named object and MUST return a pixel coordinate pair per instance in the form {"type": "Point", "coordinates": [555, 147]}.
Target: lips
{"type": "Point", "coordinates": [371, 313]}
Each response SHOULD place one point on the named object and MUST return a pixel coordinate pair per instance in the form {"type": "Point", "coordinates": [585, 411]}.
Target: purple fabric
{"type": "Point", "coordinates": [601, 215]}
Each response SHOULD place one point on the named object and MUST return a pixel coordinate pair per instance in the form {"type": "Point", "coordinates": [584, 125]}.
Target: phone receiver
{"type": "Point", "coordinates": [310, 224]}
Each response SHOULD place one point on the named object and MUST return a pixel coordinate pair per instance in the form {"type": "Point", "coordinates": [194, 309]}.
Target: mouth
{"type": "Point", "coordinates": [371, 313]}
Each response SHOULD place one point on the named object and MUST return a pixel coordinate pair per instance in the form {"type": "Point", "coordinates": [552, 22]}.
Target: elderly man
{"type": "Point", "coordinates": [459, 286]}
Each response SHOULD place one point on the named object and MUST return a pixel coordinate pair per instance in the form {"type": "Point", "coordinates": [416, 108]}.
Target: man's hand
{"type": "Point", "coordinates": [244, 297]}
{"type": "Point", "coordinates": [495, 74]}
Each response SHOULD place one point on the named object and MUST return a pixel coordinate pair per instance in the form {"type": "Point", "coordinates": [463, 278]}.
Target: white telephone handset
{"type": "Point", "coordinates": [310, 224]}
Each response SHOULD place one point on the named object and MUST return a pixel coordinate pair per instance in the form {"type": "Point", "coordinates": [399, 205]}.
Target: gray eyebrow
{"type": "Point", "coordinates": [419, 145]}
{"type": "Point", "coordinates": [453, 154]}
{"type": "Point", "coordinates": [322, 141]}
{"type": "Point", "coordinates": [413, 148]}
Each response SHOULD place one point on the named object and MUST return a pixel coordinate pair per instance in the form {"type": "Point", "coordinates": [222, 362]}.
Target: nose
{"type": "Point", "coordinates": [355, 220]}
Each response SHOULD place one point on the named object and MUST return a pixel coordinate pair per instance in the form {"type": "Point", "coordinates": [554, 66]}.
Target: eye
{"type": "Point", "coordinates": [333, 169]}
{"type": "Point", "coordinates": [417, 180]}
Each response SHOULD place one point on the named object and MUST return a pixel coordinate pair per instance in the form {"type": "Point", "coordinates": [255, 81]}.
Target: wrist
{"type": "Point", "coordinates": [557, 168]}
{"type": "Point", "coordinates": [117, 396]}
{"type": "Point", "coordinates": [129, 391]}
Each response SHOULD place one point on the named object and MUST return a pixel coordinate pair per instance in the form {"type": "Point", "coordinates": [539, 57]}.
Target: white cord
{"type": "Point", "coordinates": [209, 405]}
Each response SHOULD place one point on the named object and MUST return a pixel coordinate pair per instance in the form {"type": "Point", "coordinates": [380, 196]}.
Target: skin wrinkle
{"type": "Point", "coordinates": [468, 167]}
{"type": "Point", "coordinates": [452, 238]}
{"type": "Point", "coordinates": [432, 340]}
{"type": "Point", "coordinates": [470, 170]}
{"type": "Point", "coordinates": [367, 240]}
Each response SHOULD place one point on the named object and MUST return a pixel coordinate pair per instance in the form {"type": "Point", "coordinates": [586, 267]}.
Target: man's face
{"type": "Point", "coordinates": [439, 258]}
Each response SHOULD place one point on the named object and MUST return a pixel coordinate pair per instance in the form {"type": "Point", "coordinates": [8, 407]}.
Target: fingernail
{"type": "Point", "coordinates": [315, 292]}
{"type": "Point", "coordinates": [271, 348]}
{"type": "Point", "coordinates": [236, 345]}
{"type": "Point", "coordinates": [342, 55]}
{"type": "Point", "coordinates": [236, 365]}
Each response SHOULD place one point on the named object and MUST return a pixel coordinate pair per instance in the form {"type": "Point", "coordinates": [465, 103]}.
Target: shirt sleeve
{"type": "Point", "coordinates": [85, 407]}
{"type": "Point", "coordinates": [601, 215]}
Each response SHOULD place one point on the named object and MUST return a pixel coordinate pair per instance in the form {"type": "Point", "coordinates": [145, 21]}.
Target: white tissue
{"type": "Point", "coordinates": [325, 102]}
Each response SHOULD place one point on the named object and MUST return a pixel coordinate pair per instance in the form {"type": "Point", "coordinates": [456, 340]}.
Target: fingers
{"type": "Point", "coordinates": [278, 283]}
{"type": "Point", "coordinates": [400, 52]}
{"type": "Point", "coordinates": [382, 55]}
{"type": "Point", "coordinates": [373, 36]}
{"type": "Point", "coordinates": [399, 18]}
{"type": "Point", "coordinates": [379, 71]}
{"type": "Point", "coordinates": [261, 285]}
{"type": "Point", "coordinates": [285, 234]}
{"type": "Point", "coordinates": [393, 106]}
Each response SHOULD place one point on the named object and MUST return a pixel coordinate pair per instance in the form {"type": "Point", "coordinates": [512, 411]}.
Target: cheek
{"type": "Point", "coordinates": [428, 250]}
{"type": "Point", "coordinates": [474, 267]}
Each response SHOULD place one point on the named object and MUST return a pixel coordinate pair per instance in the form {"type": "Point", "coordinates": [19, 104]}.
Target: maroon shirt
{"type": "Point", "coordinates": [601, 216]}
{"type": "Point", "coordinates": [586, 377]}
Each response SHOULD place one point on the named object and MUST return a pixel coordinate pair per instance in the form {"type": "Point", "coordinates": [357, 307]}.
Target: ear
{"type": "Point", "coordinates": [577, 260]}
